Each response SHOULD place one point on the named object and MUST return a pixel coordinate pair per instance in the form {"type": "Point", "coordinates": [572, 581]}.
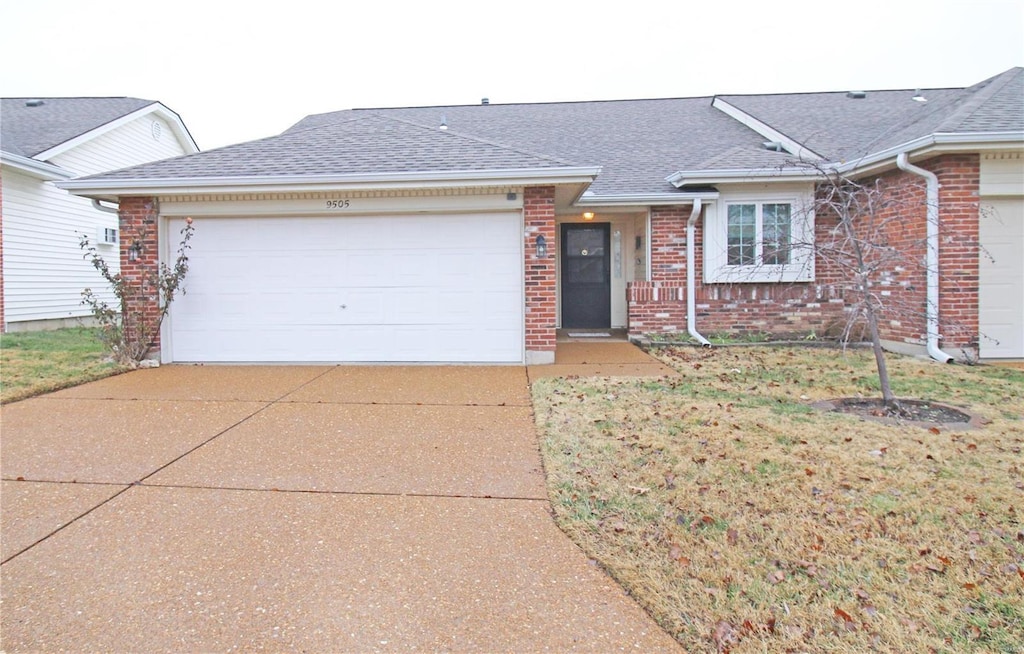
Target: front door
{"type": "Point", "coordinates": [586, 276]}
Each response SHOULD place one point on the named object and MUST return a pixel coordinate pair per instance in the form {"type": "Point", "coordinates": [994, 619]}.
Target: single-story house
{"type": "Point", "coordinates": [473, 233]}
{"type": "Point", "coordinates": [45, 140]}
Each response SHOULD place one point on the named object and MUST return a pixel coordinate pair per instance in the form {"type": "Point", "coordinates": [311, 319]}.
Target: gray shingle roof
{"type": "Point", "coordinates": [28, 130]}
{"type": "Point", "coordinates": [842, 128]}
{"type": "Point", "coordinates": [637, 143]}
{"type": "Point", "coordinates": [355, 143]}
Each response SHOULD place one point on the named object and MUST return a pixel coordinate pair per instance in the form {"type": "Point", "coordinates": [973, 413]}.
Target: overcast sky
{"type": "Point", "coordinates": [237, 71]}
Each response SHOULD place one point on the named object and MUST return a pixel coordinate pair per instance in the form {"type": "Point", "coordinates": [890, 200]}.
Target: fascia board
{"type": "Point", "coordinates": [307, 183]}
{"type": "Point", "coordinates": [34, 168]}
{"type": "Point", "coordinates": [764, 129]}
{"type": "Point", "coordinates": [932, 144]}
{"type": "Point", "coordinates": [644, 199]}
{"type": "Point", "coordinates": [177, 126]}
{"type": "Point", "coordinates": [684, 177]}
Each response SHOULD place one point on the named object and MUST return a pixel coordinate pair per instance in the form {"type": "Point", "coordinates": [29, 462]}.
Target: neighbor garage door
{"type": "Point", "coordinates": [423, 288]}
{"type": "Point", "coordinates": [1001, 279]}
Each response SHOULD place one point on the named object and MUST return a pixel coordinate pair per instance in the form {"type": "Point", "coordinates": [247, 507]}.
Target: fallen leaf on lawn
{"type": "Point", "coordinates": [862, 594]}
{"type": "Point", "coordinates": [732, 536]}
{"type": "Point", "coordinates": [639, 490]}
{"type": "Point", "coordinates": [724, 636]}
{"type": "Point", "coordinates": [808, 472]}
{"type": "Point", "coordinates": [847, 620]}
{"type": "Point", "coordinates": [777, 577]}
{"type": "Point", "coordinates": [935, 430]}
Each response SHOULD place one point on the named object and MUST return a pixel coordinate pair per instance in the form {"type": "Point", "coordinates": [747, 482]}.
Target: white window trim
{"type": "Point", "coordinates": [801, 266]}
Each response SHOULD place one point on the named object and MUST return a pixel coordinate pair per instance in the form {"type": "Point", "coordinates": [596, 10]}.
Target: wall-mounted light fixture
{"type": "Point", "coordinates": [588, 215]}
{"type": "Point", "coordinates": [135, 251]}
{"type": "Point", "coordinates": [542, 247]}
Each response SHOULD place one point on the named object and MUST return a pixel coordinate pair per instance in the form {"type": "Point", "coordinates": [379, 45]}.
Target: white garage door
{"type": "Point", "coordinates": [1001, 279]}
{"type": "Point", "coordinates": [423, 288]}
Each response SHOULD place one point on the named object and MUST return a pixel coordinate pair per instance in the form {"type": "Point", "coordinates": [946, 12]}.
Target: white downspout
{"type": "Point", "coordinates": [103, 207]}
{"type": "Point", "coordinates": [691, 283]}
{"type": "Point", "coordinates": [931, 256]}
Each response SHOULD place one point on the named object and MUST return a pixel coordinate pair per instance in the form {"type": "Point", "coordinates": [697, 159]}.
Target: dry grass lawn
{"type": "Point", "coordinates": [39, 362]}
{"type": "Point", "coordinates": [746, 521]}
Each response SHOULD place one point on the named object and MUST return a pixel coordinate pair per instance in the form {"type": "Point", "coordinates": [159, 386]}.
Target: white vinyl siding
{"type": "Point", "coordinates": [128, 145]}
{"type": "Point", "coordinates": [44, 272]}
{"type": "Point", "coordinates": [1002, 173]}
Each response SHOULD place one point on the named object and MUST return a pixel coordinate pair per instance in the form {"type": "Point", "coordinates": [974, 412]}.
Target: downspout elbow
{"type": "Point", "coordinates": [691, 283]}
{"type": "Point", "coordinates": [931, 256]}
{"type": "Point", "coordinates": [102, 207]}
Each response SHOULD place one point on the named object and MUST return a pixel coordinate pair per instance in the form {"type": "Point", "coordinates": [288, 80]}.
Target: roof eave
{"type": "Point", "coordinates": [933, 144]}
{"type": "Point", "coordinates": [739, 175]}
{"type": "Point", "coordinates": [113, 188]}
{"type": "Point", "coordinates": [645, 199]}
{"type": "Point", "coordinates": [34, 168]}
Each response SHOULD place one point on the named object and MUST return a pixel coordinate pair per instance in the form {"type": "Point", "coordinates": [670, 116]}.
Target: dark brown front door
{"type": "Point", "coordinates": [586, 276]}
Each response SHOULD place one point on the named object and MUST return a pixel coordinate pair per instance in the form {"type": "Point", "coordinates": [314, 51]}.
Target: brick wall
{"type": "Point", "coordinates": [792, 309]}
{"type": "Point", "coordinates": [539, 220]}
{"type": "Point", "coordinates": [903, 223]}
{"type": "Point", "coordinates": [789, 309]}
{"type": "Point", "coordinates": [139, 228]}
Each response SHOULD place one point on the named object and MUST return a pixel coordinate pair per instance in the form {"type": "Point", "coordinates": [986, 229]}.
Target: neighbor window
{"type": "Point", "coordinates": [758, 240]}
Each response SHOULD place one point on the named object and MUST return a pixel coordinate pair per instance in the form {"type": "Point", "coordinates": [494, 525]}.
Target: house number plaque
{"type": "Point", "coordinates": [337, 204]}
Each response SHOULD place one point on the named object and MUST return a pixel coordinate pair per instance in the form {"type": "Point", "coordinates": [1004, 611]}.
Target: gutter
{"type": "Point", "coordinates": [931, 256]}
{"type": "Point", "coordinates": [112, 188]}
{"type": "Point", "coordinates": [691, 284]}
{"type": "Point", "coordinates": [34, 167]}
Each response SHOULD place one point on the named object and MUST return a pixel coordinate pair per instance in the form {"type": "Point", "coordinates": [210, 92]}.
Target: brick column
{"type": "Point", "coordinates": [959, 253]}
{"type": "Point", "coordinates": [140, 258]}
{"type": "Point", "coordinates": [539, 220]}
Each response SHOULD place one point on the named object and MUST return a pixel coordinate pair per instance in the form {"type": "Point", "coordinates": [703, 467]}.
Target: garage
{"type": "Point", "coordinates": [372, 288]}
{"type": "Point", "coordinates": [1001, 279]}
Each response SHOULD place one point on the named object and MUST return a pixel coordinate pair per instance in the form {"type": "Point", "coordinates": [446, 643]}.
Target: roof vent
{"type": "Point", "coordinates": [774, 146]}
{"type": "Point", "coordinates": [444, 123]}
{"type": "Point", "coordinates": [485, 101]}
{"type": "Point", "coordinates": [856, 95]}
{"type": "Point", "coordinates": [34, 103]}
{"type": "Point", "coordinates": [918, 97]}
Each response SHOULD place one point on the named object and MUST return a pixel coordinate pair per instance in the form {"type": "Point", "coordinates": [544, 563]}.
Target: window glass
{"type": "Point", "coordinates": [777, 231]}
{"type": "Point", "coordinates": [742, 234]}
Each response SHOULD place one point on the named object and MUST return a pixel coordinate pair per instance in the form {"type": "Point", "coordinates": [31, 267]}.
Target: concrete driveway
{"type": "Point", "coordinates": [326, 509]}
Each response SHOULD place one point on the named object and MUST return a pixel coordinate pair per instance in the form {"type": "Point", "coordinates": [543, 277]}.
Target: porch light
{"type": "Point", "coordinates": [135, 251]}
{"type": "Point", "coordinates": [542, 247]}
{"type": "Point", "coordinates": [588, 215]}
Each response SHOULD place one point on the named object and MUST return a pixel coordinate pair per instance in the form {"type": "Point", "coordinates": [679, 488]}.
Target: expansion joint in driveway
{"type": "Point", "coordinates": [308, 491]}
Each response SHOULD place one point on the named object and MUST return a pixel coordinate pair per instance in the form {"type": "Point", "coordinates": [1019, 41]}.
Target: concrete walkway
{"type": "Point", "coordinates": [327, 509]}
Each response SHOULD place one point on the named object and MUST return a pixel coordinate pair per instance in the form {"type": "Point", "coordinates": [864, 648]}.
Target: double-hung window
{"type": "Point", "coordinates": [758, 240]}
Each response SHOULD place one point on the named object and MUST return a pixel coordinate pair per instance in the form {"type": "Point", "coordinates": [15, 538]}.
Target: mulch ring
{"type": "Point", "coordinates": [915, 413]}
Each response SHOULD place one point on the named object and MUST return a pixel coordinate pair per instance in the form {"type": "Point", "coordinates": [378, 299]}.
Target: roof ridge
{"type": "Point", "coordinates": [978, 95]}
{"type": "Point", "coordinates": [477, 139]}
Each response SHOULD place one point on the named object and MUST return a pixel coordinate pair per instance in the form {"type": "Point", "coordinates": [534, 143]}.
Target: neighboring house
{"type": "Point", "coordinates": [473, 233]}
{"type": "Point", "coordinates": [45, 140]}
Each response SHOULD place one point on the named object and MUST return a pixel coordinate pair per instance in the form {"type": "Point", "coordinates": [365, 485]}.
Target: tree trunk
{"type": "Point", "coordinates": [888, 399]}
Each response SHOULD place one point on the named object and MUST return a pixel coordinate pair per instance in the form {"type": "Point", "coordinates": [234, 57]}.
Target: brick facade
{"type": "Point", "coordinates": [139, 230]}
{"type": "Point", "coordinates": [541, 317]}
{"type": "Point", "coordinates": [792, 309]}
{"type": "Point", "coordinates": [659, 306]}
